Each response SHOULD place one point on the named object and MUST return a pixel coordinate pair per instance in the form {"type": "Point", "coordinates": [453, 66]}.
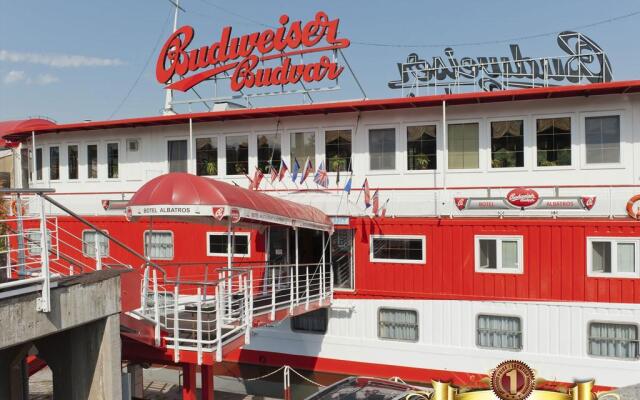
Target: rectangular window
{"type": "Point", "coordinates": [312, 322]}
{"type": "Point", "coordinates": [382, 149]}
{"type": "Point", "coordinates": [269, 153]}
{"type": "Point", "coordinates": [342, 258]}
{"type": "Point", "coordinates": [32, 237]}
{"type": "Point", "coordinates": [92, 161]}
{"type": "Point", "coordinates": [207, 156]}
{"type": "Point", "coordinates": [39, 164]}
{"type": "Point", "coordinates": [54, 163]}
{"type": "Point", "coordinates": [338, 150]}
{"type": "Point", "coordinates": [613, 257]}
{"type": "Point", "coordinates": [499, 254]}
{"type": "Point", "coordinates": [602, 137]}
{"type": "Point", "coordinates": [507, 144]}
{"type": "Point", "coordinates": [421, 147]}
{"type": "Point", "coordinates": [399, 249]}
{"type": "Point", "coordinates": [553, 138]}
{"type": "Point", "coordinates": [158, 245]}
{"type": "Point", "coordinates": [72, 161]}
{"type": "Point", "coordinates": [499, 332]}
{"type": "Point", "coordinates": [89, 244]}
{"type": "Point", "coordinates": [217, 244]}
{"type": "Point", "coordinates": [237, 151]}
{"type": "Point", "coordinates": [177, 155]}
{"type": "Point", "coordinates": [463, 144]}
{"type": "Point", "coordinates": [398, 324]}
{"type": "Point", "coordinates": [614, 340]}
{"type": "Point", "coordinates": [303, 145]}
{"type": "Point", "coordinates": [112, 160]}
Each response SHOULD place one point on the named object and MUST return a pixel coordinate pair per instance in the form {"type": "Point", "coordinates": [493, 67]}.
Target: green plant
{"type": "Point", "coordinates": [211, 168]}
{"type": "Point", "coordinates": [338, 163]}
{"type": "Point", "coordinates": [421, 161]}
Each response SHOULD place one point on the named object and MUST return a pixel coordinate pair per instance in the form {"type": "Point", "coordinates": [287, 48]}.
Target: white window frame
{"type": "Point", "coordinates": [97, 235]}
{"type": "Point", "coordinates": [583, 136]}
{"type": "Point", "coordinates": [106, 159]}
{"type": "Point", "coordinates": [317, 145]}
{"type": "Point", "coordinates": [225, 254]}
{"type": "Point", "coordinates": [614, 257]}
{"type": "Point", "coordinates": [575, 150]}
{"type": "Point", "coordinates": [222, 154]}
{"type": "Point", "coordinates": [322, 154]}
{"type": "Point", "coordinates": [391, 308]}
{"type": "Point", "coordinates": [526, 138]}
{"type": "Point", "coordinates": [482, 156]}
{"type": "Point", "coordinates": [499, 268]}
{"type": "Point", "coordinates": [60, 159]}
{"type": "Point", "coordinates": [397, 154]}
{"type": "Point", "coordinates": [398, 261]}
{"type": "Point", "coordinates": [612, 322]}
{"type": "Point", "coordinates": [165, 150]}
{"type": "Point", "coordinates": [492, 314]}
{"type": "Point", "coordinates": [66, 161]}
{"type": "Point", "coordinates": [216, 140]}
{"type": "Point", "coordinates": [85, 164]}
{"type": "Point", "coordinates": [404, 143]}
{"type": "Point", "coordinates": [173, 243]}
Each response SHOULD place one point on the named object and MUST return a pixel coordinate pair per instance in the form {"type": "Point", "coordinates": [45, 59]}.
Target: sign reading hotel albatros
{"type": "Point", "coordinates": [243, 57]}
{"type": "Point", "coordinates": [523, 198]}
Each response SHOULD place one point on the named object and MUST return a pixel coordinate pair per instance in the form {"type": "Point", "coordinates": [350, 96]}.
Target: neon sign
{"type": "Point", "coordinates": [243, 56]}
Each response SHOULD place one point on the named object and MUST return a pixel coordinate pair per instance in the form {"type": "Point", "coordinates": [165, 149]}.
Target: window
{"type": "Point", "coordinates": [400, 249]}
{"type": "Point", "coordinates": [39, 164]}
{"type": "Point", "coordinates": [92, 161]}
{"type": "Point", "coordinates": [499, 254]}
{"type": "Point", "coordinates": [338, 150]}
{"type": "Point", "coordinates": [158, 245]}
{"type": "Point", "coordinates": [54, 163]}
{"type": "Point", "coordinates": [217, 244]}
{"type": "Point", "coordinates": [177, 155]}
{"type": "Point", "coordinates": [89, 244]}
{"type": "Point", "coordinates": [133, 145]}
{"type": "Point", "coordinates": [32, 237]}
{"type": "Point", "coordinates": [398, 324]}
{"type": "Point", "coordinates": [382, 149]}
{"type": "Point", "coordinates": [421, 147]}
{"type": "Point", "coordinates": [112, 160]}
{"type": "Point", "coordinates": [303, 145]}
{"type": "Point", "coordinates": [553, 136]}
{"type": "Point", "coordinates": [72, 161]}
{"type": "Point", "coordinates": [311, 322]}
{"type": "Point", "coordinates": [499, 332]}
{"type": "Point", "coordinates": [614, 340]}
{"type": "Point", "coordinates": [507, 144]}
{"type": "Point", "coordinates": [207, 156]}
{"type": "Point", "coordinates": [613, 257]}
{"type": "Point", "coordinates": [237, 150]}
{"type": "Point", "coordinates": [342, 258]}
{"type": "Point", "coordinates": [602, 137]}
{"type": "Point", "coordinates": [268, 152]}
{"type": "Point", "coordinates": [463, 146]}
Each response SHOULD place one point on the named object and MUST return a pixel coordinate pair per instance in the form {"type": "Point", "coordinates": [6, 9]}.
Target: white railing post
{"type": "Point", "coordinates": [176, 327]}
{"type": "Point", "coordinates": [331, 285]}
{"type": "Point", "coordinates": [308, 293]}
{"type": "Point", "coordinates": [44, 302]}
{"type": "Point", "coordinates": [229, 295]}
{"type": "Point", "coordinates": [156, 309]}
{"type": "Point", "coordinates": [291, 287]}
{"type": "Point", "coordinates": [144, 293]}
{"type": "Point", "coordinates": [97, 249]}
{"type": "Point", "coordinates": [218, 324]}
{"type": "Point", "coordinates": [322, 269]}
{"type": "Point", "coordinates": [297, 267]}
{"type": "Point", "coordinates": [273, 294]}
{"type": "Point", "coordinates": [247, 313]}
{"type": "Point", "coordinates": [199, 326]}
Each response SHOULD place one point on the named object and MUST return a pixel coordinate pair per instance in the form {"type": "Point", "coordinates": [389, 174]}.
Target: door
{"type": "Point", "coordinates": [342, 259]}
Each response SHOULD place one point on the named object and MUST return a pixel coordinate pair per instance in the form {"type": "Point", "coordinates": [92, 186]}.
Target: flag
{"type": "Point", "coordinates": [257, 178]}
{"type": "Point", "coordinates": [376, 202]}
{"type": "Point", "coordinates": [294, 171]}
{"type": "Point", "coordinates": [321, 178]}
{"type": "Point", "coordinates": [250, 182]}
{"type": "Point", "coordinates": [347, 187]}
{"type": "Point", "coordinates": [367, 195]}
{"type": "Point", "coordinates": [273, 172]}
{"type": "Point", "coordinates": [308, 168]}
{"type": "Point", "coordinates": [283, 170]}
{"type": "Point", "coordinates": [383, 211]}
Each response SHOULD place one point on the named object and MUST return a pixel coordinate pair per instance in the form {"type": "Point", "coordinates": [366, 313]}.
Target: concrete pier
{"type": "Point", "coordinates": [79, 339]}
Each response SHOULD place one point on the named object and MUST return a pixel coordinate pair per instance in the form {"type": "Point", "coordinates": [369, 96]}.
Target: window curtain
{"type": "Point", "coordinates": [160, 245]}
{"type": "Point", "coordinates": [89, 244]}
{"type": "Point", "coordinates": [177, 155]}
{"type": "Point", "coordinates": [502, 128]}
{"type": "Point", "coordinates": [509, 254]}
{"type": "Point", "coordinates": [398, 324]}
{"type": "Point", "coordinates": [499, 332]}
{"type": "Point", "coordinates": [463, 146]}
{"type": "Point", "coordinates": [613, 340]}
{"type": "Point", "coordinates": [626, 257]}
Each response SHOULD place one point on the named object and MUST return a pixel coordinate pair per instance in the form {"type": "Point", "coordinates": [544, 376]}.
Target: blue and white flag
{"type": "Point", "coordinates": [295, 168]}
{"type": "Point", "coordinates": [347, 187]}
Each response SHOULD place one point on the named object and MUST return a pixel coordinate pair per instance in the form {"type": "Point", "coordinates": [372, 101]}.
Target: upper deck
{"type": "Point", "coordinates": [564, 141]}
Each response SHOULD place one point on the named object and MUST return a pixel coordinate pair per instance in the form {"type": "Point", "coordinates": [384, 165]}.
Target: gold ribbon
{"type": "Point", "coordinates": [581, 391]}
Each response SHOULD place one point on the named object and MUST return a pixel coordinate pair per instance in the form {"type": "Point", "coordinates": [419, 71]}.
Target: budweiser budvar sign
{"type": "Point", "coordinates": [243, 56]}
{"type": "Point", "coordinates": [523, 198]}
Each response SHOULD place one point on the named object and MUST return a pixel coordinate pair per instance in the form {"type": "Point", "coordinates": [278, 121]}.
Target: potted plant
{"type": "Point", "coordinates": [338, 163]}
{"type": "Point", "coordinates": [211, 168]}
{"type": "Point", "coordinates": [421, 161]}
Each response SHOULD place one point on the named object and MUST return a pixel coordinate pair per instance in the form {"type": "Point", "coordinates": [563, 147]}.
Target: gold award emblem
{"type": "Point", "coordinates": [512, 380]}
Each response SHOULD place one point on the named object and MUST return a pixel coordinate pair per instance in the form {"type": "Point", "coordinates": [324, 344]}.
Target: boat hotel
{"type": "Point", "coordinates": [514, 238]}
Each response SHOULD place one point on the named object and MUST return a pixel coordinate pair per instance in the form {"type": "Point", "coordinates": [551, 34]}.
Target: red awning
{"type": "Point", "coordinates": [17, 125]}
{"type": "Point", "coordinates": [184, 196]}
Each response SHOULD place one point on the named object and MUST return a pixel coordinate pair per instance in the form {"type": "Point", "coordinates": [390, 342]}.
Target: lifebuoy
{"type": "Point", "coordinates": [630, 203]}
{"type": "Point", "coordinates": [14, 208]}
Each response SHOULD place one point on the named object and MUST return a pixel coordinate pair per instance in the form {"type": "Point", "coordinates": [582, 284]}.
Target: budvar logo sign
{"type": "Point", "coordinates": [521, 197]}
{"type": "Point", "coordinates": [244, 54]}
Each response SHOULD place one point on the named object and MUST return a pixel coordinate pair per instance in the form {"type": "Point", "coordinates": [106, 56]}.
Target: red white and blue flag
{"type": "Point", "coordinates": [376, 202]}
{"type": "Point", "coordinates": [283, 170]}
{"type": "Point", "coordinates": [308, 169]}
{"type": "Point", "coordinates": [257, 178]}
{"type": "Point", "coordinates": [383, 210]}
{"type": "Point", "coordinates": [295, 168]}
{"type": "Point", "coordinates": [273, 172]}
{"type": "Point", "coordinates": [367, 194]}
{"type": "Point", "coordinates": [321, 178]}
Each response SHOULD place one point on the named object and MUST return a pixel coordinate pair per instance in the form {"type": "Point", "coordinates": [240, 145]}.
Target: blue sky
{"type": "Point", "coordinates": [76, 60]}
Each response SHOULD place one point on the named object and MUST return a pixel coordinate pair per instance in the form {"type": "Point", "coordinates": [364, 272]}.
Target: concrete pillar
{"type": "Point", "coordinates": [85, 361]}
{"type": "Point", "coordinates": [189, 391]}
{"type": "Point", "coordinates": [14, 375]}
{"type": "Point", "coordinates": [137, 381]}
{"type": "Point", "coordinates": [206, 376]}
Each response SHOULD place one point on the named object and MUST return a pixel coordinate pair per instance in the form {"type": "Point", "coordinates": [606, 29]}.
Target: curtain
{"type": "Point", "coordinates": [499, 332]}
{"type": "Point", "coordinates": [509, 254]}
{"type": "Point", "coordinates": [159, 245]}
{"type": "Point", "coordinates": [602, 136]}
{"type": "Point", "coordinates": [463, 144]}
{"type": "Point", "coordinates": [89, 244]}
{"type": "Point", "coordinates": [382, 149]}
{"type": "Point", "coordinates": [501, 128]}
{"type": "Point", "coordinates": [613, 340]}
{"type": "Point", "coordinates": [398, 324]}
{"type": "Point", "coordinates": [626, 257]}
{"type": "Point", "coordinates": [177, 150]}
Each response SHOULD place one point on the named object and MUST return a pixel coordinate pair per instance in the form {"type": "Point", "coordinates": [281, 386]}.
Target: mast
{"type": "Point", "coordinates": [168, 97]}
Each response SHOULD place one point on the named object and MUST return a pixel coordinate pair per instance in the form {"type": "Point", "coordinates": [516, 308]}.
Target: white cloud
{"type": "Point", "coordinates": [14, 77]}
{"type": "Point", "coordinates": [45, 79]}
{"type": "Point", "coordinates": [58, 60]}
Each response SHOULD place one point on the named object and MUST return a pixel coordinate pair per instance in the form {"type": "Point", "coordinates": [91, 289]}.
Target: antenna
{"type": "Point", "coordinates": [168, 97]}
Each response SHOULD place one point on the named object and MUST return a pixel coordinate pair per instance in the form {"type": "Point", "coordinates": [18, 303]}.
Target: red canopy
{"type": "Point", "coordinates": [185, 196]}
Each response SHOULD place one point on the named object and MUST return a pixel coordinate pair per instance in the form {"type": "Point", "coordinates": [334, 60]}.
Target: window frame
{"type": "Point", "coordinates": [391, 308]}
{"type": "Point", "coordinates": [481, 145]}
{"type": "Point", "coordinates": [236, 255]}
{"type": "Point", "coordinates": [614, 262]}
{"type": "Point", "coordinates": [583, 138]}
{"type": "Point", "coordinates": [397, 130]}
{"type": "Point", "coordinates": [29, 246]}
{"type": "Point", "coordinates": [372, 259]}
{"type": "Point", "coordinates": [526, 139]}
{"type": "Point", "coordinates": [574, 142]}
{"type": "Point", "coordinates": [286, 146]}
{"type": "Point", "coordinates": [119, 163]}
{"type": "Point", "coordinates": [167, 162]}
{"type": "Point", "coordinates": [254, 138]}
{"type": "Point", "coordinates": [79, 166]}
{"type": "Point", "coordinates": [493, 314]}
{"type": "Point", "coordinates": [404, 147]}
{"type": "Point", "coordinates": [35, 163]}
{"type": "Point", "coordinates": [86, 164]}
{"type": "Point", "coordinates": [83, 241]}
{"type": "Point", "coordinates": [250, 154]}
{"type": "Point", "coordinates": [323, 155]}
{"type": "Point", "coordinates": [499, 268]}
{"type": "Point", "coordinates": [612, 322]}
{"type": "Point", "coordinates": [173, 243]}
{"type": "Point", "coordinates": [216, 140]}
